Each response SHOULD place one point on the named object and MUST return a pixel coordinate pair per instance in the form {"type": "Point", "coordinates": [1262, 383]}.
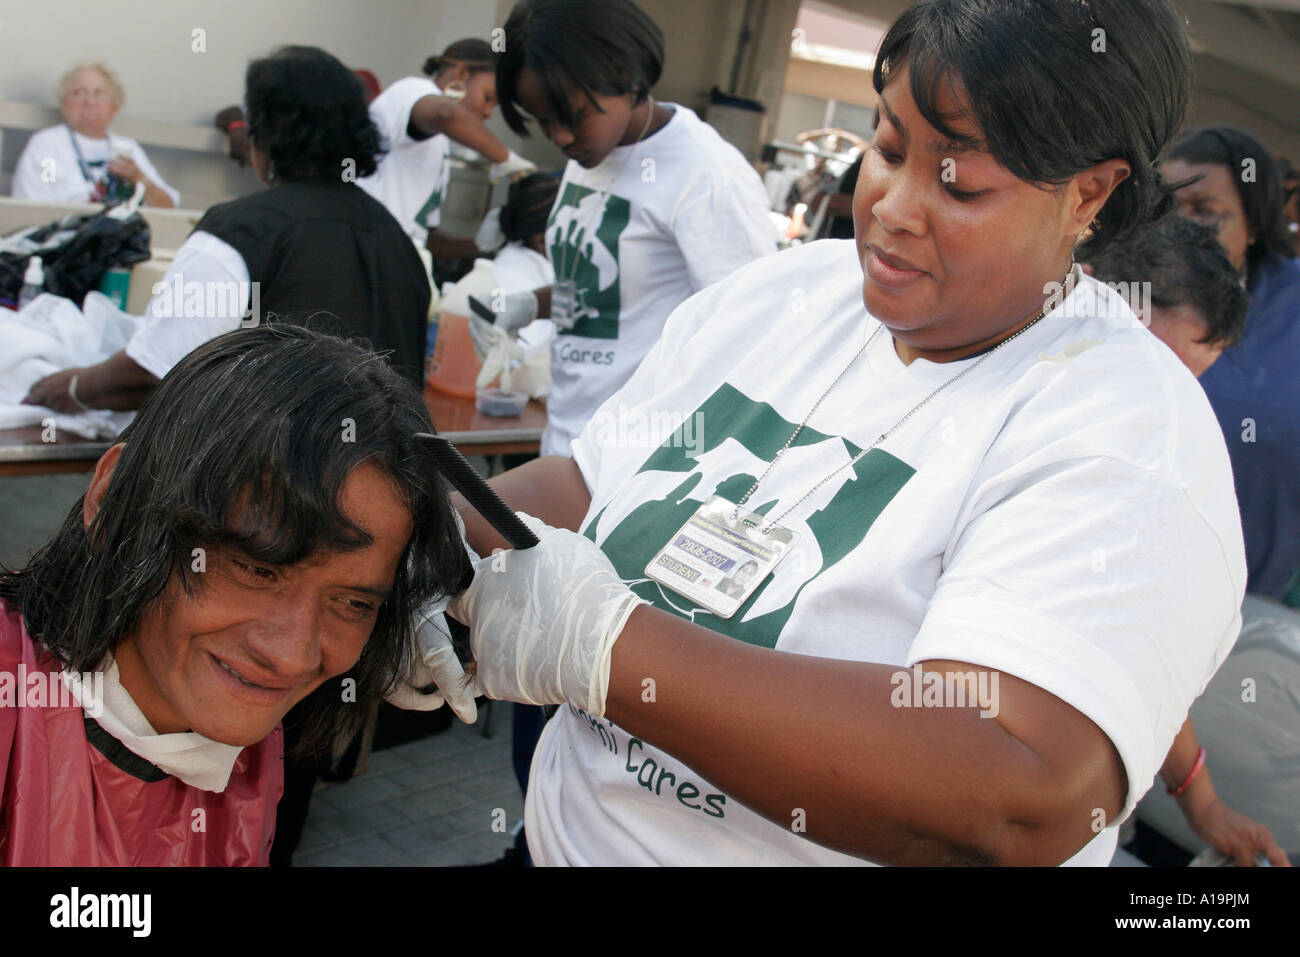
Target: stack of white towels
{"type": "Point", "coordinates": [50, 333]}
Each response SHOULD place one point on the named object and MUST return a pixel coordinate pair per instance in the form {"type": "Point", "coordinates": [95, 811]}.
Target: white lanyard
{"type": "Point", "coordinates": [1050, 304]}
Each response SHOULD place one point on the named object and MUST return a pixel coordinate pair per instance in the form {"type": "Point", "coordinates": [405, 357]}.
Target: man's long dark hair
{"type": "Point", "coordinates": [247, 442]}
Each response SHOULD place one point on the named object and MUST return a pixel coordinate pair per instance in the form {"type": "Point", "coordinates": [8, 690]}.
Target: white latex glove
{"type": "Point", "coordinates": [489, 237]}
{"type": "Point", "coordinates": [499, 353]}
{"type": "Point", "coordinates": [534, 376]}
{"type": "Point", "coordinates": [513, 165]}
{"type": "Point", "coordinates": [543, 621]}
{"type": "Point", "coordinates": [509, 311]}
{"type": "Point", "coordinates": [484, 335]}
{"type": "Point", "coordinates": [436, 662]}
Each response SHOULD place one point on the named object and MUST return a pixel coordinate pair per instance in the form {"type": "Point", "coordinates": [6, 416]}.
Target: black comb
{"type": "Point", "coordinates": [487, 503]}
{"type": "Point", "coordinates": [477, 492]}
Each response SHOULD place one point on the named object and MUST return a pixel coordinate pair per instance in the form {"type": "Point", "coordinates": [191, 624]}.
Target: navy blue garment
{"type": "Point", "coordinates": [1258, 381]}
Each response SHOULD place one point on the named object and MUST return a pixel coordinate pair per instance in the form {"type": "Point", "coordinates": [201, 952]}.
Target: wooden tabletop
{"type": "Point", "coordinates": [476, 433]}
{"type": "Point", "coordinates": [23, 453]}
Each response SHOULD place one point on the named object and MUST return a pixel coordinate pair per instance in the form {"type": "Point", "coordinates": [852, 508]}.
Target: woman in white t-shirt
{"type": "Point", "coordinates": [654, 204]}
{"type": "Point", "coordinates": [999, 553]}
{"type": "Point", "coordinates": [418, 118]}
{"type": "Point", "coordinates": [79, 160]}
{"type": "Point", "coordinates": [521, 264]}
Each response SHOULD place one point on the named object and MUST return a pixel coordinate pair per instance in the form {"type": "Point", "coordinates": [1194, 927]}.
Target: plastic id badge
{"type": "Point", "coordinates": [564, 303]}
{"type": "Point", "coordinates": [716, 562]}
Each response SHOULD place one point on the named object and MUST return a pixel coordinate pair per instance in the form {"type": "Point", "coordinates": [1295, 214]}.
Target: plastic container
{"type": "Point", "coordinates": [453, 367]}
{"type": "Point", "coordinates": [116, 285]}
{"type": "Point", "coordinates": [33, 281]}
{"type": "Point", "coordinates": [504, 404]}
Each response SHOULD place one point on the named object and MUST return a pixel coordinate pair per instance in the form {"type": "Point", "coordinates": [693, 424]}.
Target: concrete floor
{"type": "Point", "coordinates": [447, 799]}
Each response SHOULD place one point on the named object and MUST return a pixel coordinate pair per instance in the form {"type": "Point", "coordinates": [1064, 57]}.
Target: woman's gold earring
{"type": "Point", "coordinates": [455, 90]}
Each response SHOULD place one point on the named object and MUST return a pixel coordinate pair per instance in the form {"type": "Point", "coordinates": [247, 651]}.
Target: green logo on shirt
{"type": "Point", "coordinates": [827, 534]}
{"type": "Point", "coordinates": [430, 207]}
{"type": "Point", "coordinates": [582, 235]}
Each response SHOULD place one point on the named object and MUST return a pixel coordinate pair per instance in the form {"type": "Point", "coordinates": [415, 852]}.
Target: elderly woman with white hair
{"type": "Point", "coordinates": [79, 160]}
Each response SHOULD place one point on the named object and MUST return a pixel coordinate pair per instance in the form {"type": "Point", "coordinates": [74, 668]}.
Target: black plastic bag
{"type": "Point", "coordinates": [75, 251]}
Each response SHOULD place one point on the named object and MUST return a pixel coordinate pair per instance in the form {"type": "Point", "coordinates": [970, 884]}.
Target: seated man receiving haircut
{"type": "Point", "coordinates": [260, 537]}
{"type": "Point", "coordinates": [1198, 306]}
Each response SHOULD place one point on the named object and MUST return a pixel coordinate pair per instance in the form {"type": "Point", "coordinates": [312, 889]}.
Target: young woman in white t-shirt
{"type": "Point", "coordinates": [654, 205]}
{"type": "Point", "coordinates": [418, 118]}
{"type": "Point", "coordinates": [522, 264]}
{"type": "Point", "coordinates": [1043, 507]}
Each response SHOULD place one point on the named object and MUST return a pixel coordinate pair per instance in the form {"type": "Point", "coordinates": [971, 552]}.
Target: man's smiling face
{"type": "Point", "coordinates": [251, 640]}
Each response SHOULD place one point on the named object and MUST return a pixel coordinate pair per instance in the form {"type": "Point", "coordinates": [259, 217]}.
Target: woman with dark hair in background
{"type": "Point", "coordinates": [418, 119]}
{"type": "Point", "coordinates": [1233, 185]}
{"type": "Point", "coordinates": [522, 264]}
{"type": "Point", "coordinates": [654, 204]}
{"type": "Point", "coordinates": [1197, 308]}
{"type": "Point", "coordinates": [522, 222]}
{"type": "Point", "coordinates": [998, 550]}
{"type": "Point", "coordinates": [314, 248]}
{"type": "Point", "coordinates": [231, 559]}
{"type": "Point", "coordinates": [1197, 304]}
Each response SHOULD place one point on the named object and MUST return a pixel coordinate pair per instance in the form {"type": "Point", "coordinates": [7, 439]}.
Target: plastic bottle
{"type": "Point", "coordinates": [33, 281]}
{"type": "Point", "coordinates": [453, 366]}
{"type": "Point", "coordinates": [431, 319]}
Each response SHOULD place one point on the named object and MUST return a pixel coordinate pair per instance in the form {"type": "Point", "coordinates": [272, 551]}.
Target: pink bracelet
{"type": "Point", "coordinates": [1191, 775]}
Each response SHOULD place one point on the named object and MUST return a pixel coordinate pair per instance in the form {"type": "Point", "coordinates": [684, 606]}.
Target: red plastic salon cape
{"type": "Point", "coordinates": [71, 794]}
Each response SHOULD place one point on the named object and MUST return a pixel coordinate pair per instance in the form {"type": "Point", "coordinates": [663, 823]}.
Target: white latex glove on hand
{"type": "Point", "coordinates": [436, 663]}
{"type": "Point", "coordinates": [534, 376]}
{"type": "Point", "coordinates": [513, 165]}
{"type": "Point", "coordinates": [497, 350]}
{"type": "Point", "coordinates": [507, 311]}
{"type": "Point", "coordinates": [484, 335]}
{"type": "Point", "coordinates": [543, 621]}
{"type": "Point", "coordinates": [489, 237]}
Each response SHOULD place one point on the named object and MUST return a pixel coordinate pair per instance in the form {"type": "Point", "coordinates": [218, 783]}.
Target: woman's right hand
{"type": "Point", "coordinates": [543, 620]}
{"type": "Point", "coordinates": [512, 166]}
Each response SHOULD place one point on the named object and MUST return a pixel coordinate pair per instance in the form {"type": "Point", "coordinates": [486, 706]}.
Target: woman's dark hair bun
{"type": "Point", "coordinates": [308, 113]}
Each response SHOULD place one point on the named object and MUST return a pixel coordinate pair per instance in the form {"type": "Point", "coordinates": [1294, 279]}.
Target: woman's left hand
{"type": "Point", "coordinates": [543, 620]}
{"type": "Point", "coordinates": [1234, 834]}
